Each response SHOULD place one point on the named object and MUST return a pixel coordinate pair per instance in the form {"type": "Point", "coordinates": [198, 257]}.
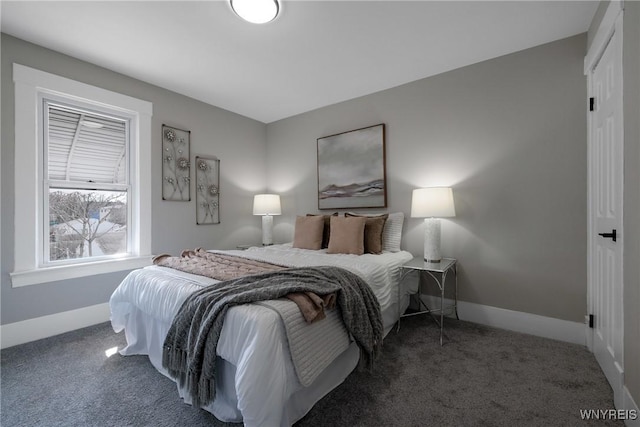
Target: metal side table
{"type": "Point", "coordinates": [438, 271]}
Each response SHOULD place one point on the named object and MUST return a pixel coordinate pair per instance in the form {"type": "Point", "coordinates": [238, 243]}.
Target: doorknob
{"type": "Point", "coordinates": [611, 235]}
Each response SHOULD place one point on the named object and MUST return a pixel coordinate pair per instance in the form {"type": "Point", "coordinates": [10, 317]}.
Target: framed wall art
{"type": "Point", "coordinates": [207, 190]}
{"type": "Point", "coordinates": [351, 169]}
{"type": "Point", "coordinates": [176, 168]}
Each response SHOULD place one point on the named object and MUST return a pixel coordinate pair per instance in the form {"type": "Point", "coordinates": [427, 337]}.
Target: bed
{"type": "Point", "coordinates": [256, 381]}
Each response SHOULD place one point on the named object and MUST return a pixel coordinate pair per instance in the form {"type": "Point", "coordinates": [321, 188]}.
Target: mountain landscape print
{"type": "Point", "coordinates": [351, 169]}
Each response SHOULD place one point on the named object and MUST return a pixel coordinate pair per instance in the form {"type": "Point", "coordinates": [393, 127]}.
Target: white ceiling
{"type": "Point", "coordinates": [316, 53]}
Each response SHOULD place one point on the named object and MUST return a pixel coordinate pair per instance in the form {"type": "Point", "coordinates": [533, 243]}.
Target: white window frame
{"type": "Point", "coordinates": [45, 100]}
{"type": "Point", "coordinates": [31, 86]}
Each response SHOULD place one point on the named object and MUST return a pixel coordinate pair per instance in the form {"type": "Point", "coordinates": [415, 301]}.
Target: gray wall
{"type": "Point", "coordinates": [238, 141]}
{"type": "Point", "coordinates": [631, 72]}
{"type": "Point", "coordinates": [509, 135]}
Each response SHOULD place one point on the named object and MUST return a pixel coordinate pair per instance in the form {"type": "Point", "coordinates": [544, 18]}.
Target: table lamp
{"type": "Point", "coordinates": [267, 205]}
{"type": "Point", "coordinates": [432, 204]}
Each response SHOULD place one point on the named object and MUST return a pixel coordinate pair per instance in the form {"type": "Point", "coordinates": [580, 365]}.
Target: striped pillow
{"type": "Point", "coordinates": [392, 232]}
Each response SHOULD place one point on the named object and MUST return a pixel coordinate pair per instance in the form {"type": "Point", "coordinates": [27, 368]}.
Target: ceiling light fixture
{"type": "Point", "coordinates": [256, 11]}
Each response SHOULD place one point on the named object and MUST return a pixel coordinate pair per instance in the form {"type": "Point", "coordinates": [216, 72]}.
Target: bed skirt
{"type": "Point", "coordinates": [145, 336]}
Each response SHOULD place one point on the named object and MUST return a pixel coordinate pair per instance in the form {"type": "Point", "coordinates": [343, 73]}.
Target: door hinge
{"type": "Point", "coordinates": [591, 321]}
{"type": "Point", "coordinates": [592, 104]}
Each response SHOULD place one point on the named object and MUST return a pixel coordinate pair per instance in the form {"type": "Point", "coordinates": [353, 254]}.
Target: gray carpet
{"type": "Point", "coordinates": [481, 377]}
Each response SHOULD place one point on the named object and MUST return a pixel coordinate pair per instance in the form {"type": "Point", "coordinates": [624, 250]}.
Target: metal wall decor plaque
{"type": "Point", "coordinates": [176, 167]}
{"type": "Point", "coordinates": [207, 190]}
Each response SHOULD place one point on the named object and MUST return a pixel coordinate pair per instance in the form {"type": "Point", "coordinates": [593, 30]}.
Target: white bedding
{"type": "Point", "coordinates": [256, 383]}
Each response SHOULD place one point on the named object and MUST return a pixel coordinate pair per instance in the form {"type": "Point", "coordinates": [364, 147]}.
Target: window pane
{"type": "Point", "coordinates": [84, 223]}
{"type": "Point", "coordinates": [85, 147]}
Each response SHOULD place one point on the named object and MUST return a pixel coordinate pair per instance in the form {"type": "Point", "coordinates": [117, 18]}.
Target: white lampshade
{"type": "Point", "coordinates": [266, 204]}
{"type": "Point", "coordinates": [256, 11]}
{"type": "Point", "coordinates": [436, 202]}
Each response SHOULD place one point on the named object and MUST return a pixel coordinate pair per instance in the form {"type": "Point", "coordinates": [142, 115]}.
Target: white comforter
{"type": "Point", "coordinates": [257, 383]}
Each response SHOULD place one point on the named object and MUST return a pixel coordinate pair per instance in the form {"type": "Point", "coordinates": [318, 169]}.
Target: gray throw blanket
{"type": "Point", "coordinates": [189, 350]}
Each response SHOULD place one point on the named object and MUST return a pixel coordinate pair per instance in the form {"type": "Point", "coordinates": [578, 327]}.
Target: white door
{"type": "Point", "coordinates": [605, 213]}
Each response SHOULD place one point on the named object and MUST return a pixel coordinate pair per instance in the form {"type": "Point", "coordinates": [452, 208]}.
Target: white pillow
{"type": "Point", "coordinates": [392, 232]}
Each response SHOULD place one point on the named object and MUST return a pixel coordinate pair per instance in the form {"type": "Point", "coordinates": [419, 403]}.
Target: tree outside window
{"type": "Point", "coordinates": [86, 223]}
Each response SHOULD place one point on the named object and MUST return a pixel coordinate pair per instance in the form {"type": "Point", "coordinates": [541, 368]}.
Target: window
{"type": "Point", "coordinates": [86, 184]}
{"type": "Point", "coordinates": [85, 210]}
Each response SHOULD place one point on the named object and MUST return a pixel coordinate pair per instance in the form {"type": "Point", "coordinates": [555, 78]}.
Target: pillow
{"type": "Point", "coordinates": [347, 235]}
{"type": "Point", "coordinates": [327, 228]}
{"type": "Point", "coordinates": [392, 233]}
{"type": "Point", "coordinates": [373, 227]}
{"type": "Point", "coordinates": [308, 232]}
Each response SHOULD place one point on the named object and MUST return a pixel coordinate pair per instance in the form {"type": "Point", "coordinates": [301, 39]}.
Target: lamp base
{"type": "Point", "coordinates": [267, 230]}
{"type": "Point", "coordinates": [432, 240]}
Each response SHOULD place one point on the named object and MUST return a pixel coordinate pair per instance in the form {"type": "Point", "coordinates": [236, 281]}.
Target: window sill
{"type": "Point", "coordinates": [64, 272]}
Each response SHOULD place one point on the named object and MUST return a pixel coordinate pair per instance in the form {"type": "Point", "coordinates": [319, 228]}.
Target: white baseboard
{"type": "Point", "coordinates": [542, 326]}
{"type": "Point", "coordinates": [630, 405]}
{"type": "Point", "coordinates": [47, 326]}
